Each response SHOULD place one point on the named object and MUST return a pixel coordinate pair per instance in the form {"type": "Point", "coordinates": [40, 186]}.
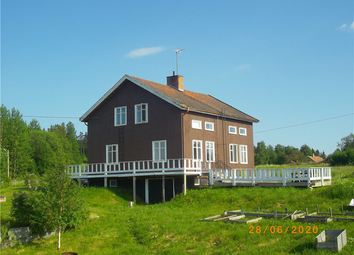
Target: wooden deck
{"type": "Point", "coordinates": [306, 177]}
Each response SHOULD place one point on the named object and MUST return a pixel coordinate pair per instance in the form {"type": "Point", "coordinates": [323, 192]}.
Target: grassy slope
{"type": "Point", "coordinates": [173, 228]}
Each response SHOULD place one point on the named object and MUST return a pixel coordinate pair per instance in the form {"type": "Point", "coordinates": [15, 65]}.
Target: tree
{"type": "Point", "coordinates": [54, 205]}
{"type": "Point", "coordinates": [34, 125]}
{"type": "Point", "coordinates": [272, 155]}
{"type": "Point", "coordinates": [261, 154]}
{"type": "Point", "coordinates": [306, 150]}
{"type": "Point", "coordinates": [346, 142]}
{"type": "Point", "coordinates": [15, 138]}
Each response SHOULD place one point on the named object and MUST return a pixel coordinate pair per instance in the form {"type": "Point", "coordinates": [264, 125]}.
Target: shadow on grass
{"type": "Point", "coordinates": [304, 248]}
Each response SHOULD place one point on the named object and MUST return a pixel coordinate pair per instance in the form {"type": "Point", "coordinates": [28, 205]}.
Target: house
{"type": "Point", "coordinates": [158, 138]}
{"type": "Point", "coordinates": [314, 159]}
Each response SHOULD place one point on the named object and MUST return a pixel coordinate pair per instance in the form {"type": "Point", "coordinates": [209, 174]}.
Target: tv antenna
{"type": "Point", "coordinates": [177, 51]}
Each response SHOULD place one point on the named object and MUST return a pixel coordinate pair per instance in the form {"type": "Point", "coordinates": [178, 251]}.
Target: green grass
{"type": "Point", "coordinates": [173, 228]}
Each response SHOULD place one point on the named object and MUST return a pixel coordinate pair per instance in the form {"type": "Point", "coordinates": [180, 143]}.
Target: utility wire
{"type": "Point", "coordinates": [50, 117]}
{"type": "Point", "coordinates": [306, 123]}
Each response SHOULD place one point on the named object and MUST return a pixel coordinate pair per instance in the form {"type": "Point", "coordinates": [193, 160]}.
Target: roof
{"type": "Point", "coordinates": [184, 100]}
{"type": "Point", "coordinates": [316, 159]}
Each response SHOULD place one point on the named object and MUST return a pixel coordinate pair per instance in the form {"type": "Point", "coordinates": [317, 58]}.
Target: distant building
{"type": "Point", "coordinates": [314, 159]}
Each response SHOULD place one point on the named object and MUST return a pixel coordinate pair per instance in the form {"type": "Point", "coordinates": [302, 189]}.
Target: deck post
{"type": "Point", "coordinates": [233, 177]}
{"type": "Point", "coordinates": [134, 189]}
{"type": "Point", "coordinates": [284, 176]}
{"type": "Point", "coordinates": [252, 173]}
{"type": "Point", "coordinates": [105, 173]}
{"type": "Point", "coordinates": [147, 191]}
{"type": "Point", "coordinates": [184, 184]}
{"type": "Point", "coordinates": [322, 173]}
{"type": "Point", "coordinates": [163, 190]}
{"type": "Point", "coordinates": [210, 177]}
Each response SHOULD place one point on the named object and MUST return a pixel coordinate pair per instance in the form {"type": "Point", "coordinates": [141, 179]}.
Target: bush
{"type": "Point", "coordinates": [52, 204]}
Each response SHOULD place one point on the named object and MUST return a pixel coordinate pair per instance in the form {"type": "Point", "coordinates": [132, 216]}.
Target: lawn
{"type": "Point", "coordinates": [174, 227]}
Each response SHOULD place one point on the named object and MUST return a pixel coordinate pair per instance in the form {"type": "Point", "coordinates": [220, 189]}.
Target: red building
{"type": "Point", "coordinates": [162, 136]}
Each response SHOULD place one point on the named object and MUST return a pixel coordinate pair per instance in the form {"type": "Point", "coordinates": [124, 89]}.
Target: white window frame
{"type": "Point", "coordinates": [111, 183]}
{"type": "Point", "coordinates": [122, 117]}
{"type": "Point", "coordinates": [235, 132]}
{"type": "Point", "coordinates": [243, 154]}
{"type": "Point", "coordinates": [110, 153]}
{"type": "Point", "coordinates": [241, 132]}
{"type": "Point", "coordinates": [209, 123]}
{"type": "Point", "coordinates": [210, 150]}
{"type": "Point", "coordinates": [143, 112]}
{"type": "Point", "coordinates": [197, 124]}
{"type": "Point", "coordinates": [199, 149]}
{"type": "Point", "coordinates": [233, 149]}
{"type": "Point", "coordinates": [159, 150]}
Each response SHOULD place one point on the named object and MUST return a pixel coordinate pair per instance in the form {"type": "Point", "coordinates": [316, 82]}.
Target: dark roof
{"type": "Point", "coordinates": [185, 100]}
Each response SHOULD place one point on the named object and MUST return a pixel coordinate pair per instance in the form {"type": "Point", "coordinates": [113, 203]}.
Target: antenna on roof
{"type": "Point", "coordinates": [177, 51]}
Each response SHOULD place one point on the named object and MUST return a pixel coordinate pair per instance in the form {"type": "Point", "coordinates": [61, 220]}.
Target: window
{"type": "Point", "coordinates": [209, 126]}
{"type": "Point", "coordinates": [197, 124]}
{"type": "Point", "coordinates": [112, 153]}
{"type": "Point", "coordinates": [159, 152]}
{"type": "Point", "coordinates": [232, 130]}
{"type": "Point", "coordinates": [242, 131]}
{"type": "Point", "coordinates": [210, 151]}
{"type": "Point", "coordinates": [141, 113]}
{"type": "Point", "coordinates": [243, 154]}
{"type": "Point", "coordinates": [120, 116]}
{"type": "Point", "coordinates": [197, 150]}
{"type": "Point", "coordinates": [233, 153]}
{"type": "Point", "coordinates": [112, 183]}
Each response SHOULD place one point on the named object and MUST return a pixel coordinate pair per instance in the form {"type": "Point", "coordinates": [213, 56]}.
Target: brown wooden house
{"type": "Point", "coordinates": [163, 137]}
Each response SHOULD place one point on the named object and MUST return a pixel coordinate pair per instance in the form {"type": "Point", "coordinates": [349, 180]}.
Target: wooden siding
{"type": "Point", "coordinates": [220, 136]}
{"type": "Point", "coordinates": [134, 140]}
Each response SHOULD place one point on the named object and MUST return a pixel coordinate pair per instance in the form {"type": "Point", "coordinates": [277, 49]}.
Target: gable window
{"type": "Point", "coordinates": [197, 150]}
{"type": "Point", "coordinates": [112, 153]}
{"type": "Point", "coordinates": [242, 131]}
{"type": "Point", "coordinates": [233, 153]}
{"type": "Point", "coordinates": [210, 151]}
{"type": "Point", "coordinates": [196, 124]}
{"type": "Point", "coordinates": [159, 150]}
{"type": "Point", "coordinates": [120, 116]}
{"type": "Point", "coordinates": [232, 130]}
{"type": "Point", "coordinates": [209, 126]}
{"type": "Point", "coordinates": [141, 113]}
{"type": "Point", "coordinates": [243, 154]}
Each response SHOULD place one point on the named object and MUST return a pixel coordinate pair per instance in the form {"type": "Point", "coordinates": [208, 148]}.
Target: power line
{"type": "Point", "coordinates": [306, 123]}
{"type": "Point", "coordinates": [50, 117]}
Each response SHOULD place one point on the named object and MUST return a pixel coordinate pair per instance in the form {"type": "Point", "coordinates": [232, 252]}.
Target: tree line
{"type": "Point", "coordinates": [278, 155]}
{"type": "Point", "coordinates": [32, 149]}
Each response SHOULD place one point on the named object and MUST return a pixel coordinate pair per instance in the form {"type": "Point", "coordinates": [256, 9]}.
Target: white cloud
{"type": "Point", "coordinates": [346, 27]}
{"type": "Point", "coordinates": [145, 51]}
{"type": "Point", "coordinates": [343, 27]}
{"type": "Point", "coordinates": [242, 67]}
{"type": "Point", "coordinates": [351, 27]}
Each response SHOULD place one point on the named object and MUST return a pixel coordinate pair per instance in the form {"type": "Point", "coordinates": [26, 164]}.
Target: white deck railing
{"type": "Point", "coordinates": [270, 175]}
{"type": "Point", "coordinates": [136, 168]}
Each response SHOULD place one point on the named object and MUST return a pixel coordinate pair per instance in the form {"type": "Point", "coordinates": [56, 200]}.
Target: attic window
{"type": "Point", "coordinates": [209, 126]}
{"type": "Point", "coordinates": [232, 130]}
{"type": "Point", "coordinates": [242, 131]}
{"type": "Point", "coordinates": [197, 124]}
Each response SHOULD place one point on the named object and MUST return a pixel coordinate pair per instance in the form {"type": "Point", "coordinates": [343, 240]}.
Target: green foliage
{"type": "Point", "coordinates": [174, 227]}
{"type": "Point", "coordinates": [32, 150]}
{"type": "Point", "coordinates": [51, 204]}
{"type": "Point", "coordinates": [14, 136]}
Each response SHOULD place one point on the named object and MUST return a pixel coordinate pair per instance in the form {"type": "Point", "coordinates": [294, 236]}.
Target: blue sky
{"type": "Point", "coordinates": [282, 62]}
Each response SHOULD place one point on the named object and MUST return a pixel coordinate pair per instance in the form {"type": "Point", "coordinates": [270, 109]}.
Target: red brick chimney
{"type": "Point", "coordinates": [175, 81]}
